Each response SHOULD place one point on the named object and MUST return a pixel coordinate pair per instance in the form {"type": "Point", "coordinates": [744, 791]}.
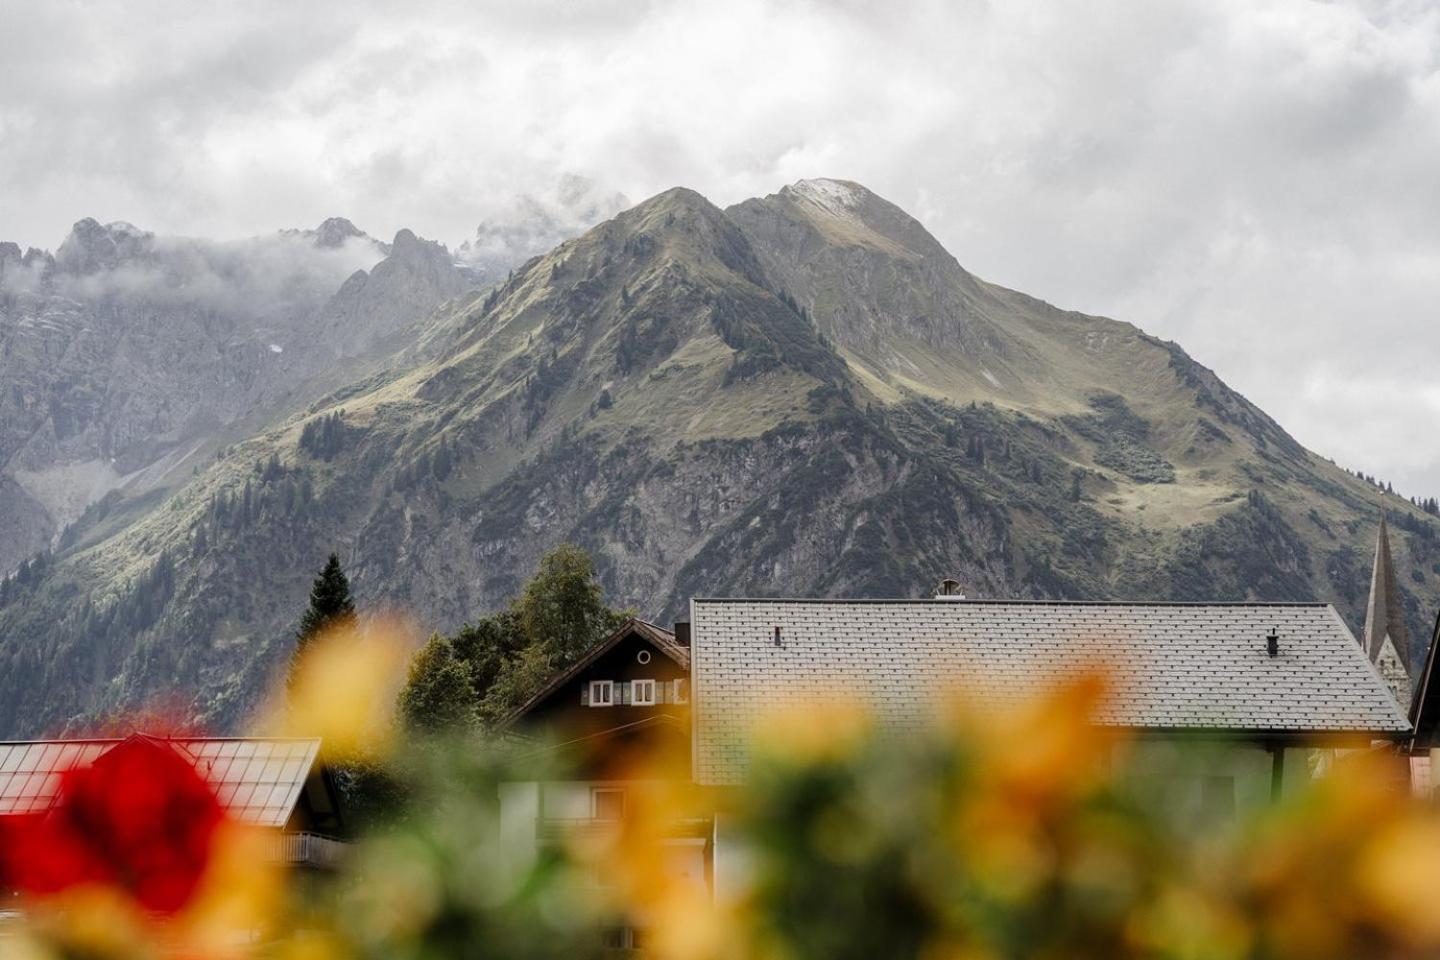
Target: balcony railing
{"type": "Point", "coordinates": [676, 828]}
{"type": "Point", "coordinates": [307, 850]}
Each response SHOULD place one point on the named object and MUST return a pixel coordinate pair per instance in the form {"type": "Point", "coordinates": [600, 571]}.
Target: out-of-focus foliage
{"type": "Point", "coordinates": [1004, 834]}
{"type": "Point", "coordinates": [440, 882]}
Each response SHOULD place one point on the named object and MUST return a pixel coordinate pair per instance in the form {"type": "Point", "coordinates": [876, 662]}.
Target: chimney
{"type": "Point", "coordinates": [949, 589]}
{"type": "Point", "coordinates": [682, 632]}
{"type": "Point", "coordinates": [1272, 642]}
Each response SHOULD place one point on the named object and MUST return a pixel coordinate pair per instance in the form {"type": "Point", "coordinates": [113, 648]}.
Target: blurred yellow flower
{"type": "Point", "coordinates": [93, 921]}
{"type": "Point", "coordinates": [241, 896]}
{"type": "Point", "coordinates": [344, 687]}
{"type": "Point", "coordinates": [1398, 878]}
{"type": "Point", "coordinates": [808, 733]}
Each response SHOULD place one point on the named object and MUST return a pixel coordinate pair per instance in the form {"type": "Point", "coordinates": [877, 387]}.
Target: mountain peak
{"type": "Point", "coordinates": [675, 201]}
{"type": "Point", "coordinates": [92, 246]}
{"type": "Point", "coordinates": [839, 198]}
{"type": "Point", "coordinates": [335, 231]}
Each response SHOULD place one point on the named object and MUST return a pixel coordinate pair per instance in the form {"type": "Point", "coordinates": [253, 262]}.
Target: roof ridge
{"type": "Point", "coordinates": [993, 601]}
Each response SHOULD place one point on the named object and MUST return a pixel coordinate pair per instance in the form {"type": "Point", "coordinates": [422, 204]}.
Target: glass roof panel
{"type": "Point", "coordinates": [30, 758]}
{"type": "Point", "coordinates": [49, 756]}
{"type": "Point", "coordinates": [260, 784]}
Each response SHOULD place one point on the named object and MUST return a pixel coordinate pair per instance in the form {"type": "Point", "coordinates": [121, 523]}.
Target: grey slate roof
{"type": "Point", "coordinates": [1192, 667]}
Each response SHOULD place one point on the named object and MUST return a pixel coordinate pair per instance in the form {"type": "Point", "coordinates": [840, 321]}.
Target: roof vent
{"type": "Point", "coordinates": [1272, 642]}
{"type": "Point", "coordinates": [949, 589]}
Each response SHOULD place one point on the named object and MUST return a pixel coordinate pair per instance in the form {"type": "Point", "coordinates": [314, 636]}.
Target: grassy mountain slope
{"type": "Point", "coordinates": [804, 394]}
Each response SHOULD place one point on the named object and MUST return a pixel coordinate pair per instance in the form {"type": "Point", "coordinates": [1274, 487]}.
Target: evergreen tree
{"type": "Point", "coordinates": [330, 604]}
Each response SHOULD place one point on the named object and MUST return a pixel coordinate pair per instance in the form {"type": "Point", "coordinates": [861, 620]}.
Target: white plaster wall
{"type": "Point", "coordinates": [519, 811]}
{"type": "Point", "coordinates": [731, 868]}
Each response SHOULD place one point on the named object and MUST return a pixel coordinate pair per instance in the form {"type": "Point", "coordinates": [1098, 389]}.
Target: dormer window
{"type": "Point", "coordinates": [602, 693]}
{"type": "Point", "coordinates": [642, 693]}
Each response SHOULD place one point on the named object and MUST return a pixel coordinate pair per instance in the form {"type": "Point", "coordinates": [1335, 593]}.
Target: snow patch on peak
{"type": "Point", "coordinates": [838, 198]}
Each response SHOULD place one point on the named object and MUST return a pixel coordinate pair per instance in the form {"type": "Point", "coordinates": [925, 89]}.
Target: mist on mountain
{"type": "Point", "coordinates": [534, 223]}
{"type": "Point", "coordinates": [248, 279]}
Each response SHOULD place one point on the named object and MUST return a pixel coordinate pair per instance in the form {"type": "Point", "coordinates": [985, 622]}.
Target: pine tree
{"type": "Point", "coordinates": [330, 606]}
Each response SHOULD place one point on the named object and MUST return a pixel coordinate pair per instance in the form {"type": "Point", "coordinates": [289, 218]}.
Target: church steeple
{"type": "Point", "coordinates": [1386, 640]}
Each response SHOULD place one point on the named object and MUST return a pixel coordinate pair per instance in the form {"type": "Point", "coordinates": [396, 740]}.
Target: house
{"type": "Point", "coordinates": [276, 784]}
{"type": "Point", "coordinates": [1279, 685]}
{"type": "Point", "coordinates": [629, 696]}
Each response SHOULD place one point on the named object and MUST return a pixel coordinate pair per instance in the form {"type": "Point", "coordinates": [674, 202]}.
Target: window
{"type": "Point", "coordinates": [642, 693]}
{"type": "Point", "coordinates": [682, 691]}
{"type": "Point", "coordinates": [602, 693]}
{"type": "Point", "coordinates": [607, 803]}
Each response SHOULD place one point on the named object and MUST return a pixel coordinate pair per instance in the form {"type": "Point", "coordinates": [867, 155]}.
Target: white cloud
{"type": "Point", "coordinates": [1252, 179]}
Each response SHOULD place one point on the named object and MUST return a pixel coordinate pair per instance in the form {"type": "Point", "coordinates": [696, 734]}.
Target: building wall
{"type": "Point", "coordinates": [1185, 779]}
{"type": "Point", "coordinates": [1195, 782]}
{"type": "Point", "coordinates": [528, 808]}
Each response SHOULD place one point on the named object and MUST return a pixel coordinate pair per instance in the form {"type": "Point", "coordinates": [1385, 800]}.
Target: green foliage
{"type": "Point", "coordinates": [438, 695]}
{"type": "Point", "coordinates": [487, 647]}
{"type": "Point", "coordinates": [330, 606]}
{"type": "Point", "coordinates": [562, 608]}
{"type": "Point", "coordinates": [440, 861]}
{"type": "Point", "coordinates": [1119, 435]}
{"type": "Point", "coordinates": [521, 677]}
{"type": "Point", "coordinates": [1135, 460]}
{"type": "Point", "coordinates": [26, 578]}
{"type": "Point", "coordinates": [487, 669]}
{"type": "Point", "coordinates": [324, 437]}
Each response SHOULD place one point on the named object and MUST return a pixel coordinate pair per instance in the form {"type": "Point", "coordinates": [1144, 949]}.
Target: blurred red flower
{"type": "Point", "coordinates": [140, 818]}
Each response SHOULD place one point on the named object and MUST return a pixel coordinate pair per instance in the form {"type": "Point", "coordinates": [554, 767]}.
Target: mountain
{"type": "Point", "coordinates": [803, 394]}
{"type": "Point", "coordinates": [127, 356]}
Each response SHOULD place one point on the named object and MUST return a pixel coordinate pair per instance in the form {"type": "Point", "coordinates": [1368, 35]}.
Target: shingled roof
{"type": "Point", "coordinates": [1178, 667]}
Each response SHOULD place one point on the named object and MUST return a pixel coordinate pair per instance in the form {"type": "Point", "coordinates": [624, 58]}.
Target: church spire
{"type": "Point", "coordinates": [1386, 641]}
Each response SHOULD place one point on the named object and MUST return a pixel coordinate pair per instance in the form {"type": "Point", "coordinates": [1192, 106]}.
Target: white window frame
{"type": "Point", "coordinates": [636, 686]}
{"type": "Point", "coordinates": [608, 686]}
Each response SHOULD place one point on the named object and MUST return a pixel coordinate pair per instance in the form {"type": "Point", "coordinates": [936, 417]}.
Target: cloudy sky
{"type": "Point", "coordinates": [1257, 179]}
